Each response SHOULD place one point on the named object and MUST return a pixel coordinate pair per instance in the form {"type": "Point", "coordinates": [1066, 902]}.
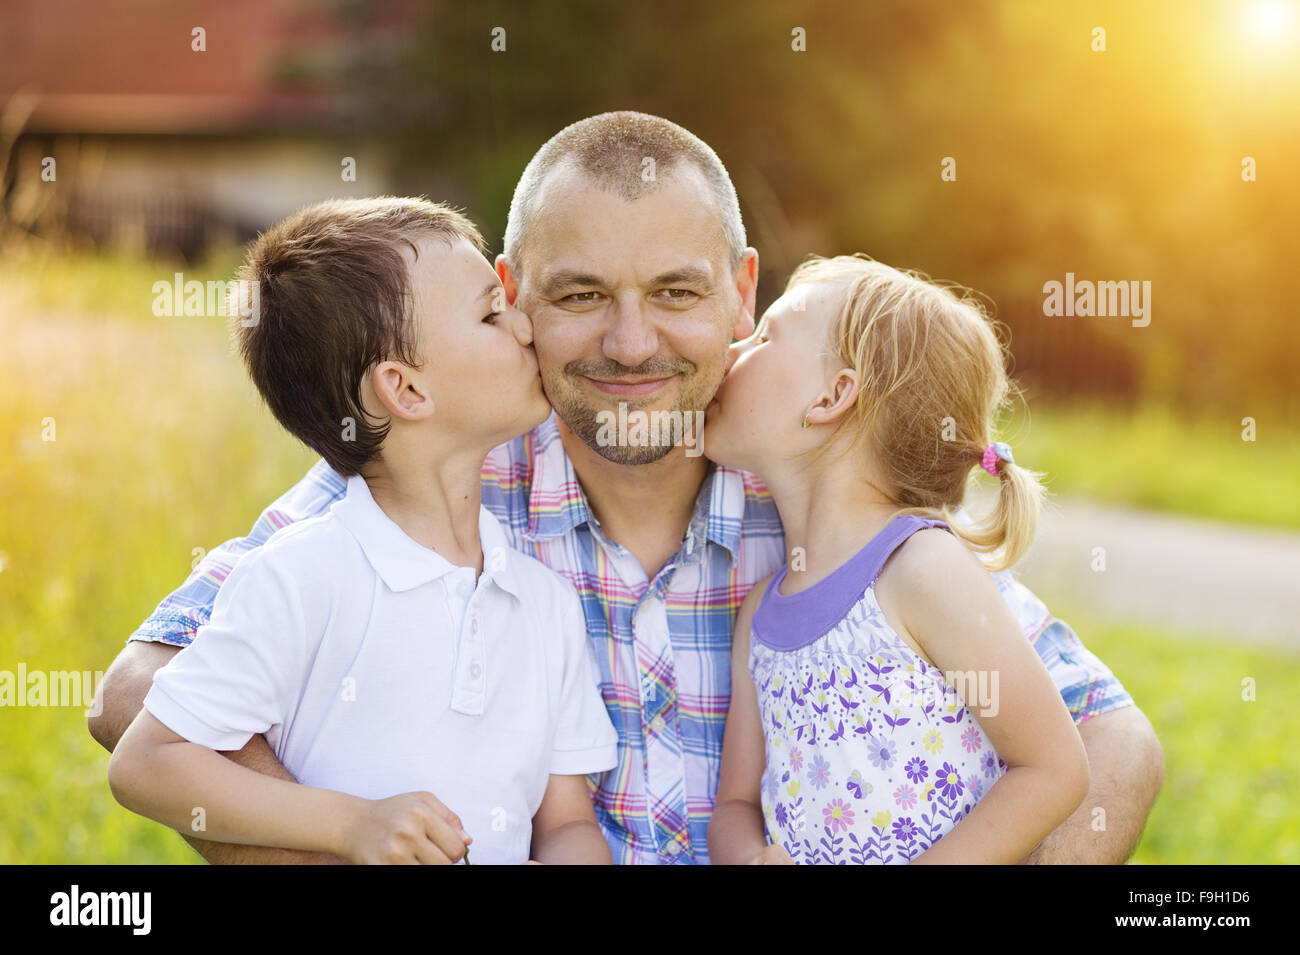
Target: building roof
{"type": "Point", "coordinates": [129, 66]}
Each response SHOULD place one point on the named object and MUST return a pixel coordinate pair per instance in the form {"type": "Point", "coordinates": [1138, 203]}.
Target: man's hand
{"type": "Point", "coordinates": [1128, 768]}
{"type": "Point", "coordinates": [410, 829]}
{"type": "Point", "coordinates": [120, 699]}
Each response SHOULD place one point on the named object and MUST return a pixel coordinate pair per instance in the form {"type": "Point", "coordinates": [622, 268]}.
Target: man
{"type": "Point", "coordinates": [625, 245]}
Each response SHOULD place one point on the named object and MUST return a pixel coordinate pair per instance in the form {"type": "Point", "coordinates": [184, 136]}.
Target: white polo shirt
{"type": "Point", "coordinates": [376, 667]}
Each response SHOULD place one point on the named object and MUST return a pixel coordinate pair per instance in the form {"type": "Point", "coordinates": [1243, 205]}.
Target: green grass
{"type": "Point", "coordinates": [1231, 773]}
{"type": "Point", "coordinates": [1150, 457]}
{"type": "Point", "coordinates": [41, 278]}
{"type": "Point", "coordinates": [161, 447]}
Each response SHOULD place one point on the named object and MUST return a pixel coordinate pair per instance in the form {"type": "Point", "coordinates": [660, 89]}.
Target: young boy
{"type": "Point", "coordinates": [407, 666]}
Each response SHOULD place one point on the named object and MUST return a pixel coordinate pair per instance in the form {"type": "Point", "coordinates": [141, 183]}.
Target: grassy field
{"type": "Point", "coordinates": [1230, 774]}
{"type": "Point", "coordinates": [1152, 458]}
{"type": "Point", "coordinates": [160, 447]}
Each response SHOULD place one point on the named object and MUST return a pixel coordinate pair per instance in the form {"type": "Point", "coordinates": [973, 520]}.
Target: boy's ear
{"type": "Point", "coordinates": [835, 403]}
{"type": "Point", "coordinates": [747, 285]}
{"type": "Point", "coordinates": [507, 278]}
{"type": "Point", "coordinates": [399, 392]}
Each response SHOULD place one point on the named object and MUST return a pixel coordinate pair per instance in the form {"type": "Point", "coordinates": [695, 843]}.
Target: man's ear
{"type": "Point", "coordinates": [834, 403]}
{"type": "Point", "coordinates": [507, 278]}
{"type": "Point", "coordinates": [400, 393]}
{"type": "Point", "coordinates": [747, 286]}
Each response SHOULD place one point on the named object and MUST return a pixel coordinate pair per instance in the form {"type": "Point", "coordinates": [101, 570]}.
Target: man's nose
{"type": "Point", "coordinates": [632, 337]}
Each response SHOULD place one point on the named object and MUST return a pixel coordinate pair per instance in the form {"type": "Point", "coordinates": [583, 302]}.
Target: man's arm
{"type": "Point", "coordinates": [120, 699]}
{"type": "Point", "coordinates": [1128, 768]}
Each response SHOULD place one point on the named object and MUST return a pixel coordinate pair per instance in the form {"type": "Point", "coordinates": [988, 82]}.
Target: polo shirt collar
{"type": "Point", "coordinates": [402, 563]}
{"type": "Point", "coordinates": [557, 504]}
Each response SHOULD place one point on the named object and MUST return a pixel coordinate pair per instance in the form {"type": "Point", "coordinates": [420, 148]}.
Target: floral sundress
{"type": "Point", "coordinates": [871, 756]}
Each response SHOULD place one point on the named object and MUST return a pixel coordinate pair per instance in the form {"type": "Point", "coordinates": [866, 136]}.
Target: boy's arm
{"type": "Point", "coordinates": [159, 774]}
{"type": "Point", "coordinates": [236, 679]}
{"type": "Point", "coordinates": [737, 834]}
{"type": "Point", "coordinates": [952, 608]}
{"type": "Point", "coordinates": [565, 831]}
{"type": "Point", "coordinates": [172, 626]}
{"type": "Point", "coordinates": [120, 700]}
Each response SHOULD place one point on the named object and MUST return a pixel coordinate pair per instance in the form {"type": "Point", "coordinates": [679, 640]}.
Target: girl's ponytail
{"type": "Point", "coordinates": [1003, 537]}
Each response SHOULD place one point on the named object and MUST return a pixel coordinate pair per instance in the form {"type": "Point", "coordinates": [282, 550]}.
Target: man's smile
{"type": "Point", "coordinates": [629, 386]}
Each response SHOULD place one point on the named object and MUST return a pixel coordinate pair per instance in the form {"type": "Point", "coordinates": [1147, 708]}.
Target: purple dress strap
{"type": "Point", "coordinates": [788, 622]}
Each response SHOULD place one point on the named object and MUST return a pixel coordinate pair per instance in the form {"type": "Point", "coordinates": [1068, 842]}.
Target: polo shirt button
{"type": "Point", "coordinates": [475, 671]}
{"type": "Point", "coordinates": [657, 726]}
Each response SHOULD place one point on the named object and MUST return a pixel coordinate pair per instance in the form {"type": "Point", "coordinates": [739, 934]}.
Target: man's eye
{"type": "Point", "coordinates": [582, 298]}
{"type": "Point", "coordinates": [679, 294]}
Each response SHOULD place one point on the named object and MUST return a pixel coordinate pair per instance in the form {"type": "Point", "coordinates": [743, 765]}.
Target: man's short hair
{"type": "Point", "coordinates": [334, 300]}
{"type": "Point", "coordinates": [612, 148]}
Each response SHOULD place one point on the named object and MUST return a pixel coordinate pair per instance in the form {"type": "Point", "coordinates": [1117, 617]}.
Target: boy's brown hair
{"type": "Point", "coordinates": [333, 300]}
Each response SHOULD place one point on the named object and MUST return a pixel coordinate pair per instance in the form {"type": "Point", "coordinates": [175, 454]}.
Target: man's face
{"type": "Point", "coordinates": [632, 301]}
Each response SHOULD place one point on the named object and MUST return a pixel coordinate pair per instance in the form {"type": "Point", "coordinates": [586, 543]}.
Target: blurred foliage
{"type": "Point", "coordinates": [1115, 165]}
{"type": "Point", "coordinates": [1150, 457]}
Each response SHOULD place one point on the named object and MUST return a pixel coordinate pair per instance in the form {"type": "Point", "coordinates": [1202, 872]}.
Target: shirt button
{"type": "Point", "coordinates": [673, 848]}
{"type": "Point", "coordinates": [657, 726]}
{"type": "Point", "coordinates": [473, 625]}
{"type": "Point", "coordinates": [475, 671]}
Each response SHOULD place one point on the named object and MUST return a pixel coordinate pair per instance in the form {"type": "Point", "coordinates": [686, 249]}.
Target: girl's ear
{"type": "Point", "coordinates": [400, 392]}
{"type": "Point", "coordinates": [834, 403]}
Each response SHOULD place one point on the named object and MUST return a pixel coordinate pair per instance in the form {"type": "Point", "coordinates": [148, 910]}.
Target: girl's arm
{"type": "Point", "coordinates": [736, 831]}
{"type": "Point", "coordinates": [950, 605]}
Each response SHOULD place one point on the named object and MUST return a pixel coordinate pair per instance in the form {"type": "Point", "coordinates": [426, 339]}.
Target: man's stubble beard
{"type": "Point", "coordinates": [575, 411]}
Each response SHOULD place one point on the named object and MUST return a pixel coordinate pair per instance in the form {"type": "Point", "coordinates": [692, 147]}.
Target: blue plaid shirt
{"type": "Point", "coordinates": [663, 644]}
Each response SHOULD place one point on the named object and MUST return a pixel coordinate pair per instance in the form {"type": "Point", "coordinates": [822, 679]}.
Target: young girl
{"type": "Point", "coordinates": [886, 706]}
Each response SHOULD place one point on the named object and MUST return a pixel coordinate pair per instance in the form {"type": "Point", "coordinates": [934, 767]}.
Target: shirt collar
{"type": "Point", "coordinates": [402, 563]}
{"type": "Point", "coordinates": [724, 489]}
{"type": "Point", "coordinates": [557, 504]}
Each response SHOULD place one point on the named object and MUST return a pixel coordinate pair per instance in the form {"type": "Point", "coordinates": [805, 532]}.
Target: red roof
{"type": "Point", "coordinates": [128, 66]}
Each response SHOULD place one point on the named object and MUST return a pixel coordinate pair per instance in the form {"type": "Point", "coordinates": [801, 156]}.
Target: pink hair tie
{"type": "Point", "coordinates": [996, 450]}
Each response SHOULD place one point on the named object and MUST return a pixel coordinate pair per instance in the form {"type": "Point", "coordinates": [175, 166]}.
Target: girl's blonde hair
{"type": "Point", "coordinates": [933, 382]}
